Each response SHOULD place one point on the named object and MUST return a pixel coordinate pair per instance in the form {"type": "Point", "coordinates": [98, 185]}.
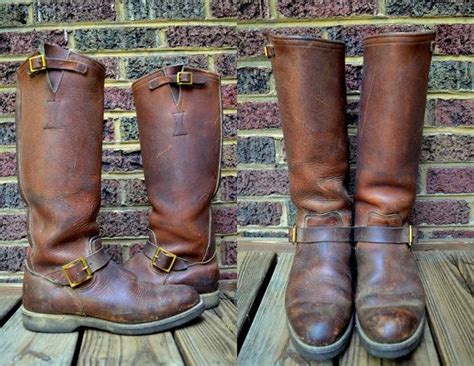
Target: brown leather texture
{"type": "Point", "coordinates": [181, 141]}
{"type": "Point", "coordinates": [59, 149]}
{"type": "Point", "coordinates": [390, 300]}
{"type": "Point", "coordinates": [309, 76]}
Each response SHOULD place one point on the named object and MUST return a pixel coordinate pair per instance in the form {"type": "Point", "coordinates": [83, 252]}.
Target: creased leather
{"type": "Point", "coordinates": [390, 300]}
{"type": "Point", "coordinates": [309, 76]}
{"type": "Point", "coordinates": [59, 150]}
{"type": "Point", "coordinates": [180, 139]}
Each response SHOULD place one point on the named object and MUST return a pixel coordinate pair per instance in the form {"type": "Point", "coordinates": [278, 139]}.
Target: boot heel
{"type": "Point", "coordinates": [48, 323]}
{"type": "Point", "coordinates": [211, 299]}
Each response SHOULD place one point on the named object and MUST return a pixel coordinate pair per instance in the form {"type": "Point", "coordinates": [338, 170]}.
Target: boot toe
{"type": "Point", "coordinates": [389, 325]}
{"type": "Point", "coordinates": [319, 328]}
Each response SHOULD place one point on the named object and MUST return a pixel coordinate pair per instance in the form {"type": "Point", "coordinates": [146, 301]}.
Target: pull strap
{"type": "Point", "coordinates": [320, 234]}
{"type": "Point", "coordinates": [386, 234]}
{"type": "Point", "coordinates": [81, 269]}
{"type": "Point", "coordinates": [40, 62]}
{"type": "Point", "coordinates": [181, 78]}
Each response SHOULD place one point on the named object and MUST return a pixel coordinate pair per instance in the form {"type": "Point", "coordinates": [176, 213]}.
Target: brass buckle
{"type": "Point", "coordinates": [32, 68]}
{"type": "Point", "coordinates": [293, 234]}
{"type": "Point", "coordinates": [268, 51]}
{"type": "Point", "coordinates": [179, 76]}
{"type": "Point", "coordinates": [85, 267]}
{"type": "Point", "coordinates": [155, 257]}
{"type": "Point", "coordinates": [411, 235]}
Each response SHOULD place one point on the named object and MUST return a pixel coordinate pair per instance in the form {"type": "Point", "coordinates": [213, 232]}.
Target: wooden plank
{"type": "Point", "coordinates": [252, 268]}
{"type": "Point", "coordinates": [449, 303]}
{"type": "Point", "coordinates": [10, 297]}
{"type": "Point", "coordinates": [424, 355]}
{"type": "Point", "coordinates": [267, 341]}
{"type": "Point", "coordinates": [227, 312]}
{"type": "Point", "coordinates": [111, 349]}
{"type": "Point", "coordinates": [207, 341]}
{"type": "Point", "coordinates": [19, 346]}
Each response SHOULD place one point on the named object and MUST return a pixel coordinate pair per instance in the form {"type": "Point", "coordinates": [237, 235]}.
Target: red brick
{"type": "Point", "coordinates": [225, 64]}
{"type": "Point", "coordinates": [135, 192]}
{"type": "Point", "coordinates": [224, 220]}
{"type": "Point", "coordinates": [229, 126]}
{"type": "Point", "coordinates": [7, 103]}
{"type": "Point", "coordinates": [123, 224]}
{"type": "Point", "coordinates": [326, 8]}
{"type": "Point", "coordinates": [28, 42]}
{"type": "Point", "coordinates": [201, 36]}
{"type": "Point", "coordinates": [229, 96]}
{"type": "Point", "coordinates": [262, 182]}
{"type": "Point", "coordinates": [447, 148]}
{"type": "Point", "coordinates": [353, 77]}
{"type": "Point", "coordinates": [74, 11]}
{"type": "Point", "coordinates": [12, 258]}
{"type": "Point", "coordinates": [8, 72]}
{"type": "Point", "coordinates": [224, 8]}
{"type": "Point", "coordinates": [7, 164]}
{"type": "Point", "coordinates": [12, 227]}
{"type": "Point", "coordinates": [229, 253]}
{"type": "Point", "coordinates": [118, 98]}
{"type": "Point", "coordinates": [229, 157]}
{"type": "Point", "coordinates": [441, 212]}
{"type": "Point", "coordinates": [110, 192]}
{"type": "Point", "coordinates": [256, 9]}
{"type": "Point", "coordinates": [108, 130]}
{"type": "Point", "coordinates": [259, 213]}
{"type": "Point", "coordinates": [121, 161]}
{"type": "Point", "coordinates": [455, 39]}
{"type": "Point", "coordinates": [452, 234]}
{"type": "Point", "coordinates": [254, 115]}
{"type": "Point", "coordinates": [227, 189]}
{"type": "Point", "coordinates": [114, 251]}
{"type": "Point", "coordinates": [452, 112]}
{"type": "Point", "coordinates": [450, 180]}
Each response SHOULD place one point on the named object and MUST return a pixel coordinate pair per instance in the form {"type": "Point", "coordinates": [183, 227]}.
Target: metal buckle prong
{"type": "Point", "coordinates": [155, 257]}
{"type": "Point", "coordinates": [85, 267]}
{"type": "Point", "coordinates": [32, 68]}
{"type": "Point", "coordinates": [179, 76]}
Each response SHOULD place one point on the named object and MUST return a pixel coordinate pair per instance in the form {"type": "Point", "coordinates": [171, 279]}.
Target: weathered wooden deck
{"type": "Point", "coordinates": [261, 324]}
{"type": "Point", "coordinates": [210, 340]}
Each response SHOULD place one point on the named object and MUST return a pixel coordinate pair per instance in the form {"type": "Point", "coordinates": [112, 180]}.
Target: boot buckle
{"type": "Point", "coordinates": [32, 67]}
{"type": "Point", "coordinates": [184, 78]}
{"type": "Point", "coordinates": [171, 257]}
{"type": "Point", "coordinates": [293, 234]}
{"type": "Point", "coordinates": [84, 268]}
{"type": "Point", "coordinates": [411, 235]}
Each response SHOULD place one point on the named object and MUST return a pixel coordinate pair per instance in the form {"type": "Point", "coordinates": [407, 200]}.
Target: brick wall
{"type": "Point", "coordinates": [445, 198]}
{"type": "Point", "coordinates": [132, 39]}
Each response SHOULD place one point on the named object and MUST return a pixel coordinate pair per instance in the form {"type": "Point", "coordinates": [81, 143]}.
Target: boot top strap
{"type": "Point", "coordinates": [80, 270]}
{"type": "Point", "coordinates": [186, 78]}
{"type": "Point", "coordinates": [40, 63]}
{"type": "Point", "coordinates": [386, 234]}
{"type": "Point", "coordinates": [163, 259]}
{"type": "Point", "coordinates": [320, 234]}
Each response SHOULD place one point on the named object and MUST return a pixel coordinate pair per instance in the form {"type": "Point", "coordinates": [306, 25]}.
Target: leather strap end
{"type": "Point", "coordinates": [321, 234]}
{"type": "Point", "coordinates": [386, 234]}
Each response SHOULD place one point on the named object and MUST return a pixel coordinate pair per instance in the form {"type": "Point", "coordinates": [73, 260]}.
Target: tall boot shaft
{"type": "Point", "coordinates": [59, 144]}
{"type": "Point", "coordinates": [179, 119]}
{"type": "Point", "coordinates": [310, 84]}
{"type": "Point", "coordinates": [390, 127]}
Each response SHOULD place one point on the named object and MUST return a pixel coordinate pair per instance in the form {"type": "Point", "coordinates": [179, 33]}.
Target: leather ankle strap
{"type": "Point", "coordinates": [320, 234]}
{"type": "Point", "coordinates": [181, 78]}
{"type": "Point", "coordinates": [39, 63]}
{"type": "Point", "coordinates": [80, 270]}
{"type": "Point", "coordinates": [386, 234]}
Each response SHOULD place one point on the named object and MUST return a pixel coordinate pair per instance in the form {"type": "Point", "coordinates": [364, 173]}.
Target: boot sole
{"type": "Point", "coordinates": [391, 350]}
{"type": "Point", "coordinates": [321, 353]}
{"type": "Point", "coordinates": [211, 300]}
{"type": "Point", "coordinates": [50, 323]}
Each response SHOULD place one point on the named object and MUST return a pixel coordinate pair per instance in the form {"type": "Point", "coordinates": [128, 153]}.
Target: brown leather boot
{"type": "Point", "coordinates": [179, 118]}
{"type": "Point", "coordinates": [309, 75]}
{"type": "Point", "coordinates": [69, 280]}
{"type": "Point", "coordinates": [390, 302]}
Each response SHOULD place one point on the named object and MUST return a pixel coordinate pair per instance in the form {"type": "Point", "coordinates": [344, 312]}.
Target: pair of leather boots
{"type": "Point", "coordinates": [69, 279]}
{"type": "Point", "coordinates": [389, 296]}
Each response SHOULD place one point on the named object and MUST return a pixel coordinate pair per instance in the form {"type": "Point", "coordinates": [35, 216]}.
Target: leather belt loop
{"type": "Point", "coordinates": [320, 234]}
{"type": "Point", "coordinates": [182, 78]}
{"type": "Point", "coordinates": [386, 234]}
{"type": "Point", "coordinates": [163, 259]}
{"type": "Point", "coordinates": [40, 63]}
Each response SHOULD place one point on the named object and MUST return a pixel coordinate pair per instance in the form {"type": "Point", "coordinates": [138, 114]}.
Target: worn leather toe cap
{"type": "Point", "coordinates": [390, 324]}
{"type": "Point", "coordinates": [320, 327]}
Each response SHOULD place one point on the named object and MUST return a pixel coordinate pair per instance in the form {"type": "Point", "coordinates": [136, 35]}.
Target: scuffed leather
{"type": "Point", "coordinates": [180, 139]}
{"type": "Point", "coordinates": [59, 149]}
{"type": "Point", "coordinates": [309, 75]}
{"type": "Point", "coordinates": [390, 298]}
